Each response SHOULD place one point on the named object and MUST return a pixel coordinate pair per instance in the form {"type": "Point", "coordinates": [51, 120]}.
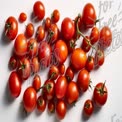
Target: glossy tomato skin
{"type": "Point", "coordinates": [61, 87]}
{"type": "Point", "coordinates": [22, 17]}
{"type": "Point", "coordinates": [69, 74]}
{"type": "Point", "coordinates": [83, 80]}
{"type": "Point", "coordinates": [67, 28]}
{"type": "Point", "coordinates": [78, 59]}
{"type": "Point", "coordinates": [11, 28]}
{"type": "Point", "coordinates": [100, 94]}
{"type": "Point", "coordinates": [29, 30]}
{"type": "Point", "coordinates": [39, 10]}
{"type": "Point", "coordinates": [20, 45]}
{"type": "Point", "coordinates": [47, 23]}
{"type": "Point", "coordinates": [105, 37]}
{"type": "Point", "coordinates": [61, 109]}
{"type": "Point", "coordinates": [14, 84]}
{"type": "Point", "coordinates": [60, 51]}
{"type": "Point", "coordinates": [55, 16]}
{"type": "Point", "coordinates": [72, 93]}
{"type": "Point", "coordinates": [61, 69]}
{"type": "Point", "coordinates": [29, 99]}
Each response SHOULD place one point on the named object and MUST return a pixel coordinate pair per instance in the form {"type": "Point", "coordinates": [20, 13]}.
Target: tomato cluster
{"type": "Point", "coordinates": [49, 46]}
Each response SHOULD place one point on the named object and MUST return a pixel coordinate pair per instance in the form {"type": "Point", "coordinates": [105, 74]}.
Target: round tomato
{"type": "Point", "coordinates": [78, 59]}
{"type": "Point", "coordinates": [20, 45]}
{"type": "Point", "coordinates": [29, 30]}
{"type": "Point", "coordinates": [22, 17]}
{"type": "Point", "coordinates": [14, 84]}
{"type": "Point", "coordinates": [55, 16]}
{"type": "Point", "coordinates": [29, 99]}
{"type": "Point", "coordinates": [51, 106]}
{"type": "Point", "coordinates": [11, 28]}
{"type": "Point", "coordinates": [100, 94]}
{"type": "Point", "coordinates": [13, 62]}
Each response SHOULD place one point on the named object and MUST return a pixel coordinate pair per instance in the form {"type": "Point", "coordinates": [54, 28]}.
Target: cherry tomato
{"type": "Point", "coordinates": [13, 62]}
{"type": "Point", "coordinates": [78, 59]}
{"type": "Point", "coordinates": [61, 87]}
{"type": "Point", "coordinates": [24, 68]}
{"type": "Point", "coordinates": [105, 37]}
{"type": "Point", "coordinates": [29, 99]}
{"type": "Point", "coordinates": [94, 36]}
{"type": "Point", "coordinates": [69, 74]}
{"type": "Point", "coordinates": [61, 109]}
{"type": "Point", "coordinates": [39, 10]}
{"type": "Point", "coordinates": [44, 53]}
{"type": "Point", "coordinates": [71, 44]}
{"type": "Point", "coordinates": [67, 28]}
{"type": "Point", "coordinates": [61, 69]}
{"type": "Point", "coordinates": [55, 16]}
{"type": "Point", "coordinates": [14, 84]}
{"type": "Point", "coordinates": [100, 94]}
{"type": "Point", "coordinates": [85, 44]}
{"type": "Point", "coordinates": [89, 15]}
{"type": "Point", "coordinates": [90, 63]}
{"type": "Point", "coordinates": [47, 23]}
{"type": "Point", "coordinates": [72, 93]}
{"type": "Point", "coordinates": [11, 28]}
{"type": "Point", "coordinates": [88, 107]}
{"type": "Point", "coordinates": [29, 30]}
{"type": "Point", "coordinates": [83, 80]}
{"type": "Point", "coordinates": [20, 45]}
{"type": "Point", "coordinates": [53, 72]}
{"type": "Point", "coordinates": [40, 34]}
{"type": "Point", "coordinates": [51, 106]}
{"type": "Point", "coordinates": [36, 82]}
{"type": "Point", "coordinates": [41, 103]}
{"type": "Point", "coordinates": [22, 17]}
{"type": "Point", "coordinates": [60, 51]}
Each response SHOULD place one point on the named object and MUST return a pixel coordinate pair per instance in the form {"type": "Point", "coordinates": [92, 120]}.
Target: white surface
{"type": "Point", "coordinates": [111, 70]}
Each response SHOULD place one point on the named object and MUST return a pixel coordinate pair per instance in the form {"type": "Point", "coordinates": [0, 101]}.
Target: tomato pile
{"type": "Point", "coordinates": [49, 47]}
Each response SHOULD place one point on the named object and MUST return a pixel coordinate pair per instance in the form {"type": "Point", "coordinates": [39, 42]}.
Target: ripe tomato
{"type": "Point", "coordinates": [61, 69]}
{"type": "Point", "coordinates": [89, 15]}
{"type": "Point", "coordinates": [51, 106]}
{"type": "Point", "coordinates": [60, 51]}
{"type": "Point", "coordinates": [105, 37]}
{"type": "Point", "coordinates": [22, 17]}
{"type": "Point", "coordinates": [29, 30]}
{"type": "Point", "coordinates": [41, 103]}
{"type": "Point", "coordinates": [40, 34]}
{"type": "Point", "coordinates": [72, 92]}
{"type": "Point", "coordinates": [20, 45]}
{"type": "Point", "coordinates": [78, 59]}
{"type": "Point", "coordinates": [29, 99]}
{"type": "Point", "coordinates": [71, 45]}
{"type": "Point", "coordinates": [100, 94]}
{"type": "Point", "coordinates": [55, 16]}
{"type": "Point", "coordinates": [11, 28]}
{"type": "Point", "coordinates": [53, 72]}
{"type": "Point", "coordinates": [36, 82]}
{"type": "Point", "coordinates": [67, 28]}
{"type": "Point", "coordinates": [90, 63]}
{"type": "Point", "coordinates": [39, 10]}
{"type": "Point", "coordinates": [14, 84]}
{"type": "Point", "coordinates": [13, 62]}
{"type": "Point", "coordinates": [47, 23]}
{"type": "Point", "coordinates": [83, 80]}
{"type": "Point", "coordinates": [94, 36]}
{"type": "Point", "coordinates": [44, 53]}
{"type": "Point", "coordinates": [61, 87]}
{"type": "Point", "coordinates": [24, 68]}
{"type": "Point", "coordinates": [61, 109]}
{"type": "Point", "coordinates": [69, 74]}
{"type": "Point", "coordinates": [88, 107]}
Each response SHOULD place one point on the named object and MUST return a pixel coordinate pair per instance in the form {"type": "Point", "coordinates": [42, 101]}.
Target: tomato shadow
{"type": "Point", "coordinates": [33, 18]}
{"type": "Point", "coordinates": [38, 113]}
{"type": "Point", "coordinates": [84, 117]}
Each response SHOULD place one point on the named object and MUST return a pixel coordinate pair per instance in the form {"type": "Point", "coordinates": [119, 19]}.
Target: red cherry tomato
{"type": "Point", "coordinates": [61, 69]}
{"type": "Point", "coordinates": [29, 99]}
{"type": "Point", "coordinates": [72, 93]}
{"type": "Point", "coordinates": [13, 62]}
{"type": "Point", "coordinates": [78, 59]}
{"type": "Point", "coordinates": [29, 30]}
{"type": "Point", "coordinates": [83, 80]}
{"type": "Point", "coordinates": [61, 87]}
{"type": "Point", "coordinates": [39, 10]}
{"type": "Point", "coordinates": [55, 16]}
{"type": "Point", "coordinates": [22, 17]}
{"type": "Point", "coordinates": [11, 28]}
{"type": "Point", "coordinates": [47, 23]}
{"type": "Point", "coordinates": [100, 94]}
{"type": "Point", "coordinates": [14, 84]}
{"type": "Point", "coordinates": [71, 44]}
{"type": "Point", "coordinates": [20, 45]}
{"type": "Point", "coordinates": [67, 28]}
{"type": "Point", "coordinates": [51, 106]}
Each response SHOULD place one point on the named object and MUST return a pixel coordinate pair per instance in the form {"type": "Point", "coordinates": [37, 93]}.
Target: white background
{"type": "Point", "coordinates": [11, 110]}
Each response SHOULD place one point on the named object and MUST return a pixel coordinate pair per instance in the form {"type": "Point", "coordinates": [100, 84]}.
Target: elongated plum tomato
{"type": "Point", "coordinates": [61, 87]}
{"type": "Point", "coordinates": [44, 53]}
{"type": "Point", "coordinates": [11, 28]}
{"type": "Point", "coordinates": [78, 59]}
{"type": "Point", "coordinates": [60, 51]}
{"type": "Point", "coordinates": [20, 45]}
{"type": "Point", "coordinates": [14, 83]}
{"type": "Point", "coordinates": [29, 99]}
